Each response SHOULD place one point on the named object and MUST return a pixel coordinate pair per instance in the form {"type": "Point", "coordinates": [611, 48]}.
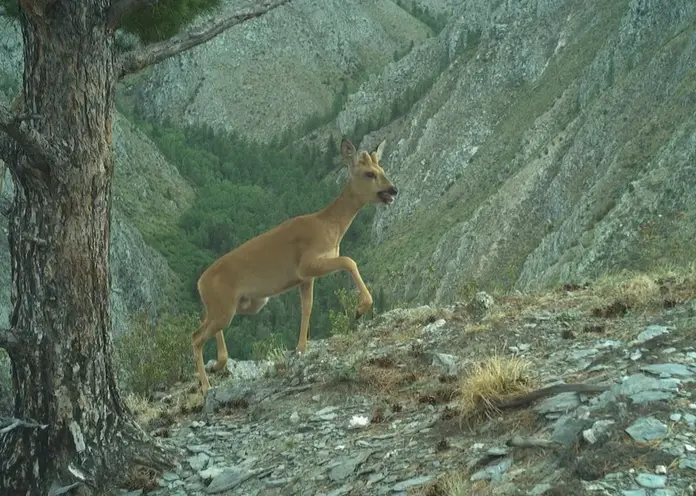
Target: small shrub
{"type": "Point", "coordinates": [343, 320]}
{"type": "Point", "coordinates": [156, 355]}
{"type": "Point", "coordinates": [271, 348]}
{"type": "Point", "coordinates": [268, 348]}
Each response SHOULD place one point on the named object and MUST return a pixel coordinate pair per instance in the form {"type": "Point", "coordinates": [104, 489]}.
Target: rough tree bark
{"type": "Point", "coordinates": [74, 428]}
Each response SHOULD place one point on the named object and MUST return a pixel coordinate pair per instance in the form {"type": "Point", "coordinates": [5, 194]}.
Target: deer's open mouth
{"type": "Point", "coordinates": [386, 197]}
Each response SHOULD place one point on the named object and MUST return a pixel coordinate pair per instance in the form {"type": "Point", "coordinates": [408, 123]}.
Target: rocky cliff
{"type": "Point", "coordinates": [557, 142]}
{"type": "Point", "coordinates": [272, 74]}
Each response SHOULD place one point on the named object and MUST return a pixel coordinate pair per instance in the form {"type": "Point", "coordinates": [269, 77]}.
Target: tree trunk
{"type": "Point", "coordinates": [59, 241]}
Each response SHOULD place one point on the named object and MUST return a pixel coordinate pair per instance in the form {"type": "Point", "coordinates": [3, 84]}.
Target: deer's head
{"type": "Point", "coordinates": [367, 178]}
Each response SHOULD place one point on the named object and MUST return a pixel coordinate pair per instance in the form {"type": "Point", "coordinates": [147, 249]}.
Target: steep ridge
{"type": "Point", "coordinates": [557, 143]}
{"type": "Point", "coordinates": [272, 74]}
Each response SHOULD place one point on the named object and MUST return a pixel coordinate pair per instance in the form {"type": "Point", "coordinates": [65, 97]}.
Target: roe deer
{"type": "Point", "coordinates": [291, 254]}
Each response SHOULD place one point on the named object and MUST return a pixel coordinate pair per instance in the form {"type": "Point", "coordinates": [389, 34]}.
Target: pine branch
{"type": "Point", "coordinates": [138, 59]}
{"type": "Point", "coordinates": [121, 8]}
{"type": "Point", "coordinates": [31, 141]}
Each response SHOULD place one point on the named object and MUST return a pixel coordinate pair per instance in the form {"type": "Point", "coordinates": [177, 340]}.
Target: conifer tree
{"type": "Point", "coordinates": [71, 427]}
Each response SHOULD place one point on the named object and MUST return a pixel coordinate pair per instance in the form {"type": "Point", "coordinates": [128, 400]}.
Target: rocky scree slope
{"type": "Point", "coordinates": [557, 141]}
{"type": "Point", "coordinates": [382, 411]}
{"type": "Point", "coordinates": [272, 74]}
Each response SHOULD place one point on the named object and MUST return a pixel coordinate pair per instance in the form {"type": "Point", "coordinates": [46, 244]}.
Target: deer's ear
{"type": "Point", "coordinates": [380, 149]}
{"type": "Point", "coordinates": [348, 152]}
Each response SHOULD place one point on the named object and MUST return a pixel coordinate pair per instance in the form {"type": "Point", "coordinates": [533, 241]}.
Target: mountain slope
{"type": "Point", "coordinates": [272, 74]}
{"type": "Point", "coordinates": [557, 143]}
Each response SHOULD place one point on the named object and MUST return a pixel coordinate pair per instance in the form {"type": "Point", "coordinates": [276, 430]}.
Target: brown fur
{"type": "Point", "coordinates": [291, 254]}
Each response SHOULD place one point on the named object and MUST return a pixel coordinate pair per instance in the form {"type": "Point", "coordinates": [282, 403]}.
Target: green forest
{"type": "Point", "coordinates": [243, 189]}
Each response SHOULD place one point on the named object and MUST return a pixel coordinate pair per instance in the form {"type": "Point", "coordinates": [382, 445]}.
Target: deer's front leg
{"type": "Point", "coordinates": [320, 267]}
{"type": "Point", "coordinates": [306, 296]}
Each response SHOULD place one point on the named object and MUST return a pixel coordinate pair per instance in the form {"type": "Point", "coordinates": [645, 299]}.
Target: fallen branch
{"type": "Point", "coordinates": [56, 489]}
{"type": "Point", "coordinates": [120, 9]}
{"type": "Point", "coordinates": [530, 442]}
{"type": "Point", "coordinates": [140, 58]}
{"type": "Point", "coordinates": [31, 141]}
{"type": "Point", "coordinates": [527, 398]}
{"type": "Point", "coordinates": [12, 423]}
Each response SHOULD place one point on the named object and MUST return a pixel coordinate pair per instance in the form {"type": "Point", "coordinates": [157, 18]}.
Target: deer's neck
{"type": "Point", "coordinates": [343, 210]}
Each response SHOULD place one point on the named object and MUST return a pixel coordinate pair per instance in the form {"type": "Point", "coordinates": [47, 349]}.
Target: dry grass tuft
{"type": "Point", "coordinates": [644, 291]}
{"type": "Point", "coordinates": [634, 291]}
{"type": "Point", "coordinates": [482, 327]}
{"type": "Point", "coordinates": [190, 402]}
{"type": "Point", "coordinates": [143, 410]}
{"type": "Point", "coordinates": [141, 478]}
{"type": "Point", "coordinates": [455, 484]}
{"type": "Point", "coordinates": [491, 380]}
{"type": "Point", "coordinates": [384, 380]}
{"type": "Point", "coordinates": [452, 484]}
{"type": "Point", "coordinates": [183, 400]}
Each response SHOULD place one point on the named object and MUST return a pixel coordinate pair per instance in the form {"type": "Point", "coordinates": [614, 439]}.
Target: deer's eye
{"type": "Point", "coordinates": [371, 175]}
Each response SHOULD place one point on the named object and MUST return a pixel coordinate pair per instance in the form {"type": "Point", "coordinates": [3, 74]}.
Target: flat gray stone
{"type": "Point", "coordinates": [226, 394]}
{"type": "Point", "coordinates": [198, 462]}
{"type": "Point", "coordinates": [690, 419]}
{"type": "Point", "coordinates": [634, 492]}
{"type": "Point", "coordinates": [447, 362]}
{"type": "Point", "coordinates": [650, 396]}
{"type": "Point", "coordinates": [567, 429]}
{"type": "Point", "coordinates": [599, 432]}
{"type": "Point", "coordinates": [651, 332]}
{"type": "Point", "coordinates": [228, 479]}
{"type": "Point", "coordinates": [668, 369]}
{"type": "Point", "coordinates": [493, 472]}
{"type": "Point", "coordinates": [638, 383]}
{"type": "Point", "coordinates": [583, 353]}
{"type": "Point", "coordinates": [647, 429]}
{"type": "Point", "coordinates": [327, 413]}
{"type": "Point", "coordinates": [414, 482]}
{"type": "Point", "coordinates": [558, 403]}
{"type": "Point", "coordinates": [688, 462]}
{"type": "Point", "coordinates": [345, 466]}
{"type": "Point", "coordinates": [651, 481]}
{"type": "Point", "coordinates": [498, 451]}
{"type": "Point", "coordinates": [540, 489]}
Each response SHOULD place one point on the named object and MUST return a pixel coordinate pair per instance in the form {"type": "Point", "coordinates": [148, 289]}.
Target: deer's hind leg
{"type": "Point", "coordinates": [245, 306]}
